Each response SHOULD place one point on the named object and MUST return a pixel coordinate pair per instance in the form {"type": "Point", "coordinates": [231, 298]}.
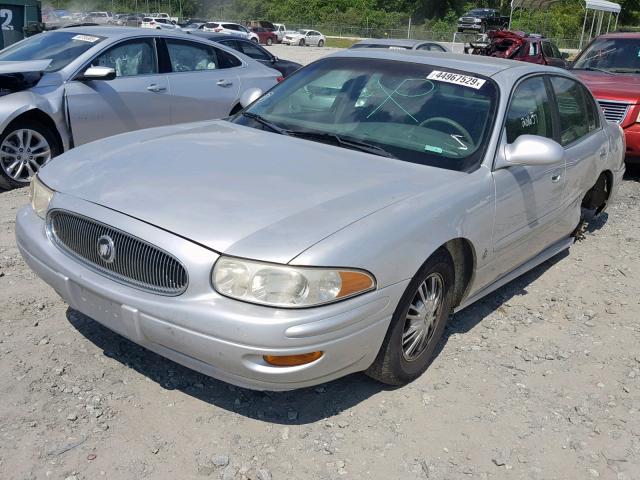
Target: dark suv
{"type": "Point", "coordinates": [482, 20]}
{"type": "Point", "coordinates": [520, 46]}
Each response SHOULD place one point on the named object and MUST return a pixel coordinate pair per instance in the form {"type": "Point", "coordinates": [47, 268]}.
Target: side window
{"type": "Point", "coordinates": [250, 50]}
{"type": "Point", "coordinates": [231, 44]}
{"type": "Point", "coordinates": [529, 111]}
{"type": "Point", "coordinates": [576, 110]}
{"type": "Point", "coordinates": [134, 57]}
{"type": "Point", "coordinates": [227, 60]}
{"type": "Point", "coordinates": [547, 50]}
{"type": "Point", "coordinates": [188, 56]}
{"type": "Point", "coordinates": [554, 49]}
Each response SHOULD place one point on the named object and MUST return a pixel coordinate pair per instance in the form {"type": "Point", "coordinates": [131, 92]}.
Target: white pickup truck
{"type": "Point", "coordinates": [280, 30]}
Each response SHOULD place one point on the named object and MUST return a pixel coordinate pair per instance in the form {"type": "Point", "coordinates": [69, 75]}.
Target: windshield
{"type": "Point", "coordinates": [303, 32]}
{"type": "Point", "coordinates": [413, 112]}
{"type": "Point", "coordinates": [478, 13]}
{"type": "Point", "coordinates": [616, 55]}
{"type": "Point", "coordinates": [60, 47]}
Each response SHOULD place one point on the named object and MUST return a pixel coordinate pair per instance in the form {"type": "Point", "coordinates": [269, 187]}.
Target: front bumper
{"type": "Point", "coordinates": [201, 329]}
{"type": "Point", "coordinates": [470, 26]}
{"type": "Point", "coordinates": [290, 41]}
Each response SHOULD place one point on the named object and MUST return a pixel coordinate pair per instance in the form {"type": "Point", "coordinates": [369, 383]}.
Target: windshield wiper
{"type": "Point", "coordinates": [625, 70]}
{"type": "Point", "coordinates": [266, 123]}
{"type": "Point", "coordinates": [343, 142]}
{"type": "Point", "coordinates": [596, 69]}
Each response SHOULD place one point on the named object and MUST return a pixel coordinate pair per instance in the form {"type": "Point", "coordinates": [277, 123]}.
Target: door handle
{"type": "Point", "coordinates": [556, 178]}
{"type": "Point", "coordinates": [224, 83]}
{"type": "Point", "coordinates": [156, 88]}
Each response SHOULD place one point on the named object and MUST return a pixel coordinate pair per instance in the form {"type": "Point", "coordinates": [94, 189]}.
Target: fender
{"type": "Point", "coordinates": [19, 103]}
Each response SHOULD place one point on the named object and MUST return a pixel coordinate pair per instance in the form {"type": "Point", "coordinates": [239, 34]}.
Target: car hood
{"type": "Point", "coordinates": [239, 190]}
{"type": "Point", "coordinates": [19, 76]}
{"type": "Point", "coordinates": [615, 87]}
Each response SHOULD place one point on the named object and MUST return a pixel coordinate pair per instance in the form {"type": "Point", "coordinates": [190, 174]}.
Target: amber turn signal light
{"type": "Point", "coordinates": [292, 360]}
{"type": "Point", "coordinates": [354, 282]}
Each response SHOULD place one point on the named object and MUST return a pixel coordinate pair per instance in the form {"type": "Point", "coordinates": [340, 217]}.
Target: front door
{"type": "Point", "coordinates": [135, 99]}
{"type": "Point", "coordinates": [528, 198]}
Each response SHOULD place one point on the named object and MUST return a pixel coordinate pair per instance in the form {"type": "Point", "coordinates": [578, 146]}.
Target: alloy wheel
{"type": "Point", "coordinates": [23, 152]}
{"type": "Point", "coordinates": [420, 322]}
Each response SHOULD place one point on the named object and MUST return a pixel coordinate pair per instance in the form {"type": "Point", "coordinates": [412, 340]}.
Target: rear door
{"type": "Point", "coordinates": [135, 99]}
{"type": "Point", "coordinates": [203, 80]}
{"type": "Point", "coordinates": [528, 198]}
{"type": "Point", "coordinates": [581, 135]}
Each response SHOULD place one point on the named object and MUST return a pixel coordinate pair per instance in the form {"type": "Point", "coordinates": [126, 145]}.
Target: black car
{"type": "Point", "coordinates": [252, 50]}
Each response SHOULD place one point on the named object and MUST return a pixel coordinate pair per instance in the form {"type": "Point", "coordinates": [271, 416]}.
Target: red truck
{"type": "Point", "coordinates": [266, 36]}
{"type": "Point", "coordinates": [610, 67]}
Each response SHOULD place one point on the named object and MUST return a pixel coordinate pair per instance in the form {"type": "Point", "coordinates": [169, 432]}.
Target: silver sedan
{"type": "Point", "coordinates": [68, 87]}
{"type": "Point", "coordinates": [333, 225]}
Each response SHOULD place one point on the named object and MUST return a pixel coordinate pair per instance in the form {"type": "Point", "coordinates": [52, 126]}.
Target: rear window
{"type": "Point", "coordinates": [147, 19]}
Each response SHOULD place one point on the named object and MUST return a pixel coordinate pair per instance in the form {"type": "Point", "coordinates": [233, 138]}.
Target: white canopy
{"type": "Point", "coordinates": [600, 5]}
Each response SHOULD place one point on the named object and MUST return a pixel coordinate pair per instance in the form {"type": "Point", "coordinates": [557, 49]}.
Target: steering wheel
{"type": "Point", "coordinates": [451, 123]}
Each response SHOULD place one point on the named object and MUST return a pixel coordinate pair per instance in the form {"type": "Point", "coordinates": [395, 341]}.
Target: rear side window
{"type": "Point", "coordinates": [211, 25]}
{"type": "Point", "coordinates": [529, 111]}
{"type": "Point", "coordinates": [547, 50]}
{"type": "Point", "coordinates": [227, 60]}
{"type": "Point", "coordinates": [188, 56]}
{"type": "Point", "coordinates": [576, 109]}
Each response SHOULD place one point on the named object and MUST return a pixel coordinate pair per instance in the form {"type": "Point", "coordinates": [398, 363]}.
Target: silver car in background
{"type": "Point", "coordinates": [68, 87]}
{"type": "Point", "coordinates": [303, 239]}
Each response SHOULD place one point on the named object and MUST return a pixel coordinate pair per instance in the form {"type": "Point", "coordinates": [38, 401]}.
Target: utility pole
{"type": "Point", "coordinates": [409, 29]}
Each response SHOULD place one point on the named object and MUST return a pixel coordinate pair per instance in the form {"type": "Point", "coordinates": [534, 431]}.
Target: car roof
{"type": "Point", "coordinates": [218, 36]}
{"type": "Point", "coordinates": [487, 66]}
{"type": "Point", "coordinates": [400, 42]}
{"type": "Point", "coordinates": [123, 32]}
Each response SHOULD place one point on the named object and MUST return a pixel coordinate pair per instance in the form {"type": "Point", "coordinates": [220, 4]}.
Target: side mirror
{"type": "Point", "coordinates": [249, 96]}
{"type": "Point", "coordinates": [531, 150]}
{"type": "Point", "coordinates": [97, 73]}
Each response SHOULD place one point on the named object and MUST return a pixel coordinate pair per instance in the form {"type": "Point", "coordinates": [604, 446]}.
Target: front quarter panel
{"type": "Point", "coordinates": [394, 242]}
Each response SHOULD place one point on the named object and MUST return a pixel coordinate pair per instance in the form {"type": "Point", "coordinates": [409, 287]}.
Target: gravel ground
{"type": "Point", "coordinates": [540, 380]}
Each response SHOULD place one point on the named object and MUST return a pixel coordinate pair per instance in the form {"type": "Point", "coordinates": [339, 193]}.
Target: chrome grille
{"type": "Point", "coordinates": [135, 262]}
{"type": "Point", "coordinates": [614, 111]}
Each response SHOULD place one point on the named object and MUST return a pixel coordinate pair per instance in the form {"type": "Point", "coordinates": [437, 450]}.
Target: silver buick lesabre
{"type": "Point", "coordinates": [333, 225]}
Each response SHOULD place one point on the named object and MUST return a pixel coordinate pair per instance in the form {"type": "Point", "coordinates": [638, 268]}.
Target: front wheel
{"type": "Point", "coordinates": [254, 40]}
{"type": "Point", "coordinates": [417, 323]}
{"type": "Point", "coordinates": [24, 148]}
{"type": "Point", "coordinates": [321, 43]}
{"type": "Point", "coordinates": [269, 42]}
{"type": "Point", "coordinates": [301, 42]}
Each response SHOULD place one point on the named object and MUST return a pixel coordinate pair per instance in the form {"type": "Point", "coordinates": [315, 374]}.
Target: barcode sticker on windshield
{"type": "Point", "coordinates": [457, 79]}
{"type": "Point", "coordinates": [86, 38]}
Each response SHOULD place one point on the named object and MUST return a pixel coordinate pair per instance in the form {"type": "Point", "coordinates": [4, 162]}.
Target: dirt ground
{"type": "Point", "coordinates": [540, 380]}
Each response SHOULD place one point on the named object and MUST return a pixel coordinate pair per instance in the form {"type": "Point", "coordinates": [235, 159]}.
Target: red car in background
{"type": "Point", "coordinates": [520, 46]}
{"type": "Point", "coordinates": [610, 67]}
{"type": "Point", "coordinates": [266, 36]}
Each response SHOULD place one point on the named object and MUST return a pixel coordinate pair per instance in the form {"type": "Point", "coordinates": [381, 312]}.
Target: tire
{"type": "Point", "coordinates": [269, 42]}
{"type": "Point", "coordinates": [301, 42]}
{"type": "Point", "coordinates": [255, 40]}
{"type": "Point", "coordinates": [597, 196]}
{"type": "Point", "coordinates": [321, 43]}
{"type": "Point", "coordinates": [395, 364]}
{"type": "Point", "coordinates": [13, 147]}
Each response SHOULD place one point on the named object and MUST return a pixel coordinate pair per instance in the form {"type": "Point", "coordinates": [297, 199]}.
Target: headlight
{"type": "Point", "coordinates": [286, 286]}
{"type": "Point", "coordinates": [476, 20]}
{"type": "Point", "coordinates": [40, 196]}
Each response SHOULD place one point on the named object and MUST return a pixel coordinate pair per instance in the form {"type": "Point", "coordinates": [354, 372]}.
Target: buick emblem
{"type": "Point", "coordinates": [106, 248]}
